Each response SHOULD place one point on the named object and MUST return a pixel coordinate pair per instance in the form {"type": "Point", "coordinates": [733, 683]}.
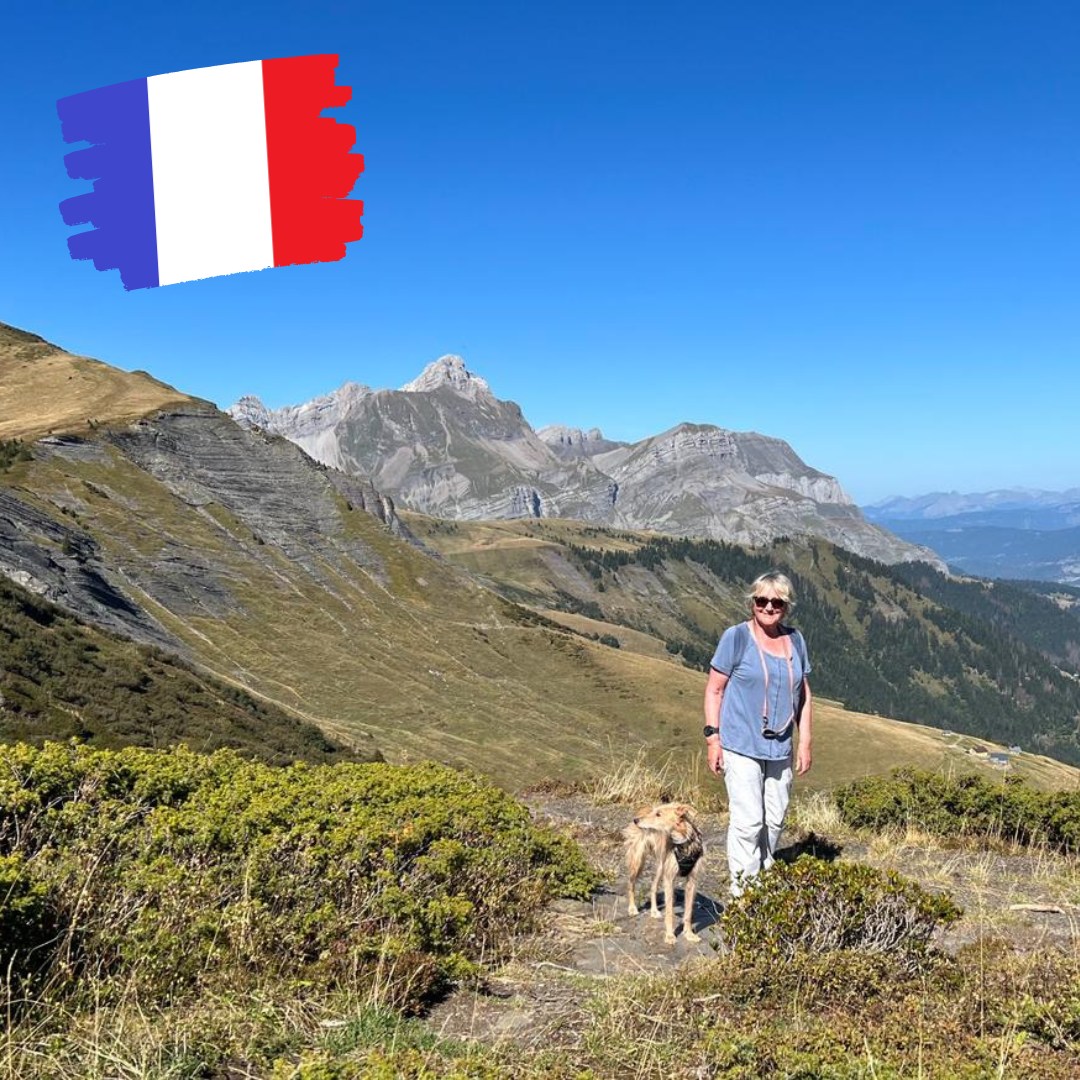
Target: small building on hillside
{"type": "Point", "coordinates": [999, 759]}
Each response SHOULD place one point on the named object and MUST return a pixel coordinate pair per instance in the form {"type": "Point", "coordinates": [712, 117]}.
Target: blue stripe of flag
{"type": "Point", "coordinates": [116, 119]}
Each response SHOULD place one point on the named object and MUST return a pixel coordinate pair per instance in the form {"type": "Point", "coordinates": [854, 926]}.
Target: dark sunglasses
{"type": "Point", "coordinates": [765, 601]}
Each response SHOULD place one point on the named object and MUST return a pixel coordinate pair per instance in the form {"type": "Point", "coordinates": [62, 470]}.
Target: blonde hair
{"type": "Point", "coordinates": [778, 582]}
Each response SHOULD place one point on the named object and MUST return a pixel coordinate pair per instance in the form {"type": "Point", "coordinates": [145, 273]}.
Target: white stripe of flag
{"type": "Point", "coordinates": [211, 182]}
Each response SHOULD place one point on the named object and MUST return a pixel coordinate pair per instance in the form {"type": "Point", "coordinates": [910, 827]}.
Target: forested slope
{"type": "Point", "coordinates": [903, 641]}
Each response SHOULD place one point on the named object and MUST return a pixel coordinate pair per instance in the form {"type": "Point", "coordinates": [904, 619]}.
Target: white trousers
{"type": "Point", "coordinates": [758, 792]}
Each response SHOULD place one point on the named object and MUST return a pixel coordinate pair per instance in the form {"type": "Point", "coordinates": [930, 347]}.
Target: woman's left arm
{"type": "Point", "coordinates": [803, 756]}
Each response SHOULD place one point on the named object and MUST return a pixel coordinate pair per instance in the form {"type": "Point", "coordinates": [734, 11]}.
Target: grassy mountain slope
{"type": "Point", "coordinates": [44, 389]}
{"type": "Point", "coordinates": [266, 569]}
{"type": "Point", "coordinates": [390, 643]}
{"type": "Point", "coordinates": [60, 678]}
{"type": "Point", "coordinates": [371, 637]}
{"type": "Point", "coordinates": [900, 641]}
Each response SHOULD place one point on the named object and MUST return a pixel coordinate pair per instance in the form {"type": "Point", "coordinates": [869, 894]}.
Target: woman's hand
{"type": "Point", "coordinates": [803, 758]}
{"type": "Point", "coordinates": [806, 726]}
{"type": "Point", "coordinates": [716, 756]}
{"type": "Point", "coordinates": [714, 696]}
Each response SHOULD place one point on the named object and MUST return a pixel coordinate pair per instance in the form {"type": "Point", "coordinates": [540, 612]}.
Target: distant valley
{"type": "Point", "coordinates": [1023, 535]}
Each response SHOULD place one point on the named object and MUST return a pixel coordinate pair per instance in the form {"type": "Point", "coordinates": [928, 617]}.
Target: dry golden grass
{"type": "Point", "coordinates": [631, 641]}
{"type": "Point", "coordinates": [67, 392]}
{"type": "Point", "coordinates": [817, 812]}
{"type": "Point", "coordinates": [849, 744]}
{"type": "Point", "coordinates": [641, 780]}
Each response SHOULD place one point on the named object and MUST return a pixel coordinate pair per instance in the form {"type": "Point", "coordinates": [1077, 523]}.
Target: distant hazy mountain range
{"type": "Point", "coordinates": [1013, 533]}
{"type": "Point", "coordinates": [445, 445]}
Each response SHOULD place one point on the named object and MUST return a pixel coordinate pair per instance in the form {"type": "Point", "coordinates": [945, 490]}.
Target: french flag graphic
{"type": "Point", "coordinates": [213, 171]}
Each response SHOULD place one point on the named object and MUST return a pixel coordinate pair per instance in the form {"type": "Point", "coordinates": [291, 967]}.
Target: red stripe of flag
{"type": "Point", "coordinates": [311, 169]}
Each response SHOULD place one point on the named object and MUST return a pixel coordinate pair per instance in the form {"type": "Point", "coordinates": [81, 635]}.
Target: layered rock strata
{"type": "Point", "coordinates": [445, 445]}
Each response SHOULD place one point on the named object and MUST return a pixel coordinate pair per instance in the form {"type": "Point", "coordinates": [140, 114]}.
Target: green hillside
{"type": "Point", "coordinates": [1044, 615]}
{"type": "Point", "coordinates": [900, 641]}
{"type": "Point", "coordinates": [327, 613]}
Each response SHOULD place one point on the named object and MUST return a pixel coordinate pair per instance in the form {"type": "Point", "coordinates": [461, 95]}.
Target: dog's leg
{"type": "Point", "coordinates": [635, 858]}
{"type": "Point", "coordinates": [689, 896]}
{"type": "Point", "coordinates": [670, 867]}
{"type": "Point", "coordinates": [654, 909]}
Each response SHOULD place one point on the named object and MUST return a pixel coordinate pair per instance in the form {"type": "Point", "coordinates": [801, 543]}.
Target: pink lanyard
{"type": "Point", "coordinates": [765, 672]}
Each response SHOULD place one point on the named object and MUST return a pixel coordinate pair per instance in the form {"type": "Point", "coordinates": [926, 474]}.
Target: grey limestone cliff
{"type": "Point", "coordinates": [258, 496]}
{"type": "Point", "coordinates": [568, 443]}
{"type": "Point", "coordinates": [63, 563]}
{"type": "Point", "coordinates": [445, 445]}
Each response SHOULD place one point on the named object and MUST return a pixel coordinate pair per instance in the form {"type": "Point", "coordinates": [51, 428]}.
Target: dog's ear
{"type": "Point", "coordinates": [681, 810]}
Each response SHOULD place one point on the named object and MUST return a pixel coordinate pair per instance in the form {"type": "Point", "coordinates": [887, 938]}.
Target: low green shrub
{"type": "Point", "coordinates": [963, 806]}
{"type": "Point", "coordinates": [11, 451]}
{"type": "Point", "coordinates": [814, 906]}
{"type": "Point", "coordinates": [177, 869]}
{"type": "Point", "coordinates": [27, 920]}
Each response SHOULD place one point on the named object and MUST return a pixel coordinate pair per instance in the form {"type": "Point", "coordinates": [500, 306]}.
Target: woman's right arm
{"type": "Point", "coordinates": [714, 696]}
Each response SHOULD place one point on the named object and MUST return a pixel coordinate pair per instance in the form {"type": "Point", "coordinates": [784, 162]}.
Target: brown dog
{"type": "Point", "coordinates": [668, 833]}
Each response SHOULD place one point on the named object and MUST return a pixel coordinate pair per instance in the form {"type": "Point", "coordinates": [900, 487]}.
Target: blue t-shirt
{"type": "Point", "coordinates": [741, 718]}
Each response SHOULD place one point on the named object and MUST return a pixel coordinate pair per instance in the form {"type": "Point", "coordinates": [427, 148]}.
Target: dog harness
{"type": "Point", "coordinates": [687, 853]}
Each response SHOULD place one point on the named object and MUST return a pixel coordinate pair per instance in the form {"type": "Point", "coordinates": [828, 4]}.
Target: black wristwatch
{"type": "Point", "coordinates": [709, 731]}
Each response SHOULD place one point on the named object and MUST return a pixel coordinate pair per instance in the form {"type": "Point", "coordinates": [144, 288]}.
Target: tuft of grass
{"type": "Point", "coordinates": [272, 1030]}
{"type": "Point", "coordinates": [817, 813]}
{"type": "Point", "coordinates": [642, 779]}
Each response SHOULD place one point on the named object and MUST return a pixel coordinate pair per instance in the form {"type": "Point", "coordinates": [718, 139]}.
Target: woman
{"type": "Point", "coordinates": [757, 695]}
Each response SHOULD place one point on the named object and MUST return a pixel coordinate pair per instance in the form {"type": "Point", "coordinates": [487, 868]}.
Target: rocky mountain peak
{"type": "Point", "coordinates": [352, 389]}
{"type": "Point", "coordinates": [568, 436]}
{"type": "Point", "coordinates": [445, 445]}
{"type": "Point", "coordinates": [251, 412]}
{"type": "Point", "coordinates": [569, 443]}
{"type": "Point", "coordinates": [449, 370]}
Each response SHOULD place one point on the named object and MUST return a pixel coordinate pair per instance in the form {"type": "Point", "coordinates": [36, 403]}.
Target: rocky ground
{"type": "Point", "coordinates": [538, 998]}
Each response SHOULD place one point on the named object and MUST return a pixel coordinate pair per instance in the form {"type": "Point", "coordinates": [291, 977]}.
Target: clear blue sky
{"type": "Point", "coordinates": [853, 226]}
